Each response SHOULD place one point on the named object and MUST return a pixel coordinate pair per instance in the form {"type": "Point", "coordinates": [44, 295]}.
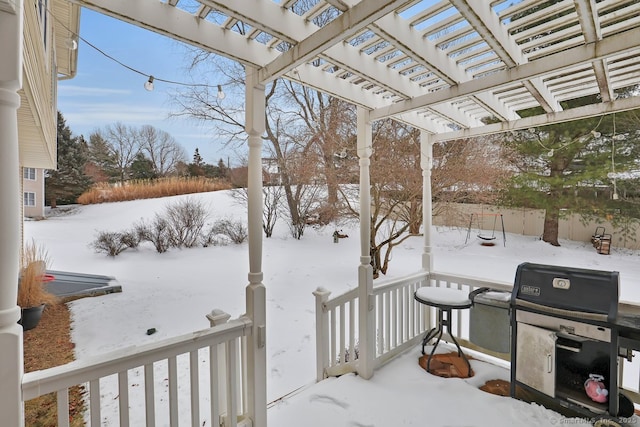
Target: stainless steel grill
{"type": "Point", "coordinates": [564, 332]}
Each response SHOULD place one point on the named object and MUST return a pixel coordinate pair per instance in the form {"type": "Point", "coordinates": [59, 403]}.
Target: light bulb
{"type": "Point", "coordinates": [221, 94]}
{"type": "Point", "coordinates": [596, 134]}
{"type": "Point", "coordinates": [148, 85]}
{"type": "Point", "coordinates": [550, 153]}
{"type": "Point", "coordinates": [71, 43]}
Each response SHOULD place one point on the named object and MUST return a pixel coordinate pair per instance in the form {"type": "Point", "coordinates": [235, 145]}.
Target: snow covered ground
{"type": "Point", "coordinates": [172, 292]}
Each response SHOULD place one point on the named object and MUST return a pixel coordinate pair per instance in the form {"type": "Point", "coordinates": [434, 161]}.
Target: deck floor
{"type": "Point", "coordinates": [403, 393]}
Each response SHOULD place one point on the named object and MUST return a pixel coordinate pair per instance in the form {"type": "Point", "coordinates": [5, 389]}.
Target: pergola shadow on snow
{"type": "Point", "coordinates": [443, 67]}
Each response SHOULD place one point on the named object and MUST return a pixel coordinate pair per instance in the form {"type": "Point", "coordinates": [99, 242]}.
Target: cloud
{"type": "Point", "coordinates": [93, 114]}
{"type": "Point", "coordinates": [71, 90]}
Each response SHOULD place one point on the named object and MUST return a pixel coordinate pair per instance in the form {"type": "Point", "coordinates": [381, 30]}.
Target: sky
{"type": "Point", "coordinates": [105, 92]}
{"type": "Point", "coordinates": [172, 292]}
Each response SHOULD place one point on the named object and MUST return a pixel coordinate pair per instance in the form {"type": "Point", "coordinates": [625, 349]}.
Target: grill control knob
{"type": "Point", "coordinates": [560, 283]}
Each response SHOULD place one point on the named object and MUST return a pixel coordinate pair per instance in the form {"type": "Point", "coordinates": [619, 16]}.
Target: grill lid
{"type": "Point", "coordinates": [568, 288]}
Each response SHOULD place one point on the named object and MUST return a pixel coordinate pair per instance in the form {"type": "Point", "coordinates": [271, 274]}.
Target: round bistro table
{"type": "Point", "coordinates": [444, 300]}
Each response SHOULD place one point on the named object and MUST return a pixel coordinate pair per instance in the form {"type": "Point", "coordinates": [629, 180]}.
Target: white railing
{"type": "Point", "coordinates": [400, 320]}
{"type": "Point", "coordinates": [195, 379]}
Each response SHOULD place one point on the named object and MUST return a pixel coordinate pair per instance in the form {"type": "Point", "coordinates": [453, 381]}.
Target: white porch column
{"type": "Point", "coordinates": [365, 271]}
{"type": "Point", "coordinates": [426, 163]}
{"type": "Point", "coordinates": [11, 351]}
{"type": "Point", "coordinates": [255, 291]}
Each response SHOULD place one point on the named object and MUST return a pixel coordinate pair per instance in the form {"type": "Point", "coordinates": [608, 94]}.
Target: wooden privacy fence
{"type": "Point", "coordinates": [530, 222]}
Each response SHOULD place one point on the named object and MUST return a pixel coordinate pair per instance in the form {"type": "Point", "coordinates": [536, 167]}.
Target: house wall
{"type": "Point", "coordinates": [37, 115]}
{"type": "Point", "coordinates": [530, 222]}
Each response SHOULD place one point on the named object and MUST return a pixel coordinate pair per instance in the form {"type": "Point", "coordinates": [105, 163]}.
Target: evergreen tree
{"type": "Point", "coordinates": [197, 167]}
{"type": "Point", "coordinates": [142, 168]}
{"type": "Point", "coordinates": [68, 181]}
{"type": "Point", "coordinates": [101, 164]}
{"type": "Point", "coordinates": [565, 168]}
{"type": "Point", "coordinates": [222, 169]}
{"type": "Point", "coordinates": [197, 158]}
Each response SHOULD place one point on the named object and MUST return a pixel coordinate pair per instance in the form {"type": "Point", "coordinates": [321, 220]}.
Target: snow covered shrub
{"type": "Point", "coordinates": [234, 230]}
{"type": "Point", "coordinates": [212, 238]}
{"type": "Point", "coordinates": [109, 242]}
{"type": "Point", "coordinates": [130, 238]}
{"type": "Point", "coordinates": [158, 232]}
{"type": "Point", "coordinates": [186, 219]}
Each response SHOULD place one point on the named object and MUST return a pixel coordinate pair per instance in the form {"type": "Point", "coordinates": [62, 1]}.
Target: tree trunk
{"type": "Point", "coordinates": [550, 233]}
{"type": "Point", "coordinates": [415, 215]}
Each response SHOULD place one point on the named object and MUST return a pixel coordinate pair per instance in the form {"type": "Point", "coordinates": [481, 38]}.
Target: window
{"type": "Point", "coordinates": [29, 173]}
{"type": "Point", "coordinates": [29, 199]}
{"type": "Point", "coordinates": [43, 5]}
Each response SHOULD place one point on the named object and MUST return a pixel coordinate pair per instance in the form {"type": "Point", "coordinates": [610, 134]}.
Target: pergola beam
{"type": "Point", "coordinates": [588, 17]}
{"type": "Point", "coordinates": [602, 49]}
{"type": "Point", "coordinates": [487, 24]}
{"type": "Point", "coordinates": [179, 25]}
{"type": "Point", "coordinates": [426, 53]}
{"type": "Point", "coordinates": [578, 113]}
{"type": "Point", "coordinates": [344, 26]}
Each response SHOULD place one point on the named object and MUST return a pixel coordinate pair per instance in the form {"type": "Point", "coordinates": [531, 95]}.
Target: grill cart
{"type": "Point", "coordinates": [565, 342]}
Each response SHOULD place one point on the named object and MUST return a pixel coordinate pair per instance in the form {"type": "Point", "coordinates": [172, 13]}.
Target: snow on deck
{"type": "Point", "coordinates": [401, 393]}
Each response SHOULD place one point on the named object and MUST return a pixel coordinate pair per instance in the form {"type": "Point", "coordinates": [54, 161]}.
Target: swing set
{"type": "Point", "coordinates": [486, 239]}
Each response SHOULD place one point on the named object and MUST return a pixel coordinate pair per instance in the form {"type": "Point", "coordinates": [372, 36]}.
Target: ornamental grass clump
{"type": "Point", "coordinates": [32, 290]}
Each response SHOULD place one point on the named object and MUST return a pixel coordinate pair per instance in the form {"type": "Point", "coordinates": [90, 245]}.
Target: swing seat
{"type": "Point", "coordinates": [483, 237]}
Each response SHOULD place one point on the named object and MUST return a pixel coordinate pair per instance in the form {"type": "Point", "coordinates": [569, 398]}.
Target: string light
{"type": "Point", "coordinates": [148, 85]}
{"type": "Point", "coordinates": [72, 43]}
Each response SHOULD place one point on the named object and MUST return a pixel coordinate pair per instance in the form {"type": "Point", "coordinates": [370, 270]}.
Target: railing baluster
{"type": "Point", "coordinates": [149, 395]}
{"type": "Point", "coordinates": [332, 353]}
{"type": "Point", "coordinates": [62, 399]}
{"type": "Point", "coordinates": [380, 335]}
{"type": "Point", "coordinates": [244, 392]}
{"type": "Point", "coordinates": [123, 397]}
{"type": "Point", "coordinates": [343, 350]}
{"type": "Point", "coordinates": [214, 385]}
{"type": "Point", "coordinates": [173, 392]}
{"type": "Point", "coordinates": [394, 317]}
{"type": "Point", "coordinates": [232, 378]}
{"type": "Point", "coordinates": [352, 329]}
{"type": "Point", "coordinates": [94, 402]}
{"type": "Point", "coordinates": [194, 375]}
{"type": "Point", "coordinates": [387, 322]}
{"type": "Point", "coordinates": [407, 308]}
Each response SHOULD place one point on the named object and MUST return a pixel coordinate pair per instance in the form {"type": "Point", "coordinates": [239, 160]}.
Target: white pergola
{"type": "Point", "coordinates": [440, 66]}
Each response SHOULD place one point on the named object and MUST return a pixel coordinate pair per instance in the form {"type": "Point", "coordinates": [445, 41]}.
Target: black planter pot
{"type": "Point", "coordinates": [31, 316]}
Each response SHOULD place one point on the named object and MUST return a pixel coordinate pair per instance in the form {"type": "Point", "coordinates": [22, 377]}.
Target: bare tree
{"type": "Point", "coordinates": [162, 149]}
{"type": "Point", "coordinates": [293, 131]}
{"type": "Point", "coordinates": [470, 171]}
{"type": "Point", "coordinates": [272, 199]}
{"type": "Point", "coordinates": [123, 144]}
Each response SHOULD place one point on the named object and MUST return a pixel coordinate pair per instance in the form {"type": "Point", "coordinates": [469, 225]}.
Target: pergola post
{"type": "Point", "coordinates": [11, 350]}
{"type": "Point", "coordinates": [365, 271]}
{"type": "Point", "coordinates": [426, 163]}
{"type": "Point", "coordinates": [255, 291]}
